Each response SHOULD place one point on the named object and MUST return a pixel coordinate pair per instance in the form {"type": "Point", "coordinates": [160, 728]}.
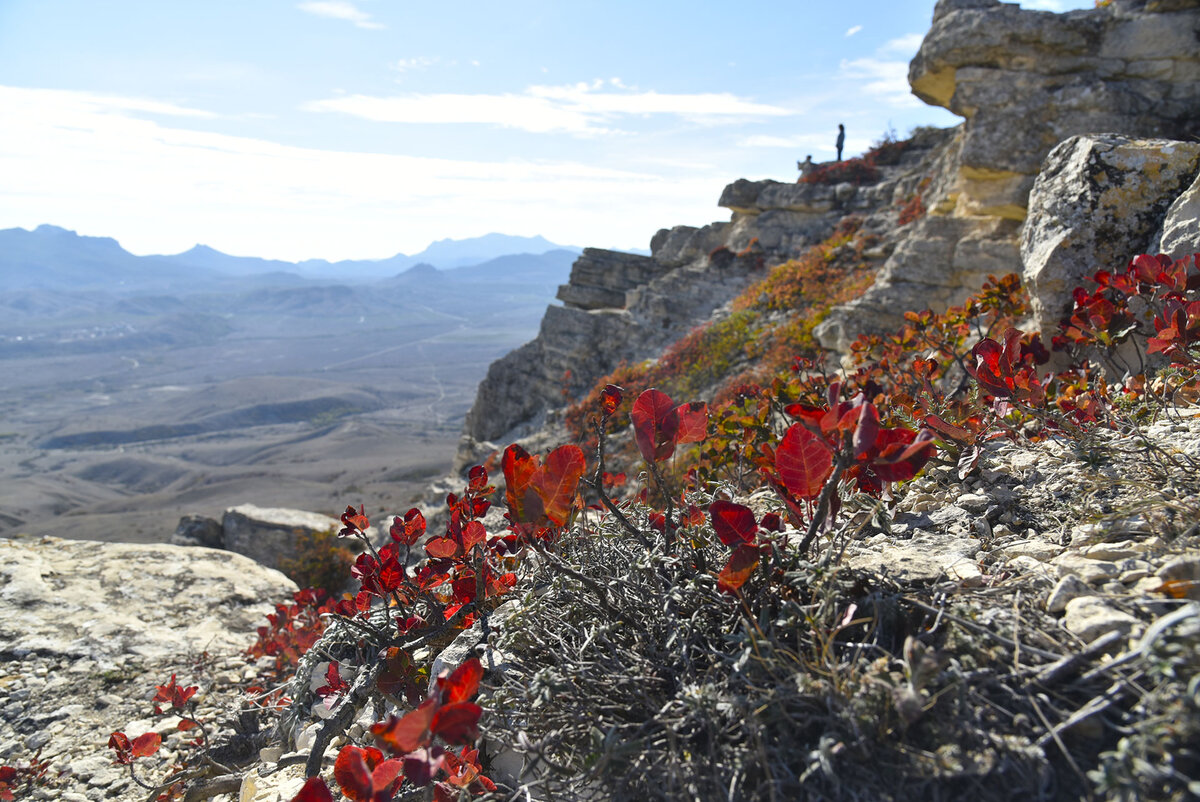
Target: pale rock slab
{"type": "Point", "coordinates": [1096, 204]}
{"type": "Point", "coordinates": [1180, 234]}
{"type": "Point", "coordinates": [105, 600]}
{"type": "Point", "coordinates": [1089, 617]}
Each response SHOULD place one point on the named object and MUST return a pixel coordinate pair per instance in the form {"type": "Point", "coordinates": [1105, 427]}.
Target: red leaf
{"type": "Point", "coordinates": [462, 683]}
{"type": "Point", "coordinates": [386, 777]}
{"type": "Point", "coordinates": [693, 422]}
{"type": "Point", "coordinates": [803, 461]}
{"type": "Point", "coordinates": [314, 790]}
{"type": "Point", "coordinates": [119, 743]}
{"type": "Point", "coordinates": [146, 745]}
{"type": "Point", "coordinates": [457, 724]}
{"type": "Point", "coordinates": [741, 565]}
{"type": "Point", "coordinates": [557, 481]}
{"type": "Point", "coordinates": [410, 529]}
{"type": "Point", "coordinates": [772, 522]}
{"type": "Point", "coordinates": [473, 533]}
{"type": "Point", "coordinates": [899, 462]}
{"type": "Point", "coordinates": [352, 771]}
{"type": "Point", "coordinates": [403, 735]}
{"type": "Point", "coordinates": [477, 479]}
{"type": "Point", "coordinates": [519, 468]}
{"type": "Point", "coordinates": [354, 521]}
{"type": "Point", "coordinates": [866, 430]}
{"type": "Point", "coordinates": [655, 425]}
{"type": "Point", "coordinates": [421, 765]}
{"type": "Point", "coordinates": [610, 399]}
{"type": "Point", "coordinates": [733, 523]}
{"type": "Point", "coordinates": [441, 547]}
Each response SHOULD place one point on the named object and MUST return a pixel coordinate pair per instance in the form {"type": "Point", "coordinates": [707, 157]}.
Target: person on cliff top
{"type": "Point", "coordinates": [806, 167]}
{"type": "Point", "coordinates": [841, 140]}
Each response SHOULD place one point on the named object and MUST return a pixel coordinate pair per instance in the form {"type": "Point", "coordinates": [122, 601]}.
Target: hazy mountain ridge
{"type": "Point", "coordinates": [50, 257]}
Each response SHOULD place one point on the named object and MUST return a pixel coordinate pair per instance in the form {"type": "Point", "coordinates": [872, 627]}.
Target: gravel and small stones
{"type": "Point", "coordinates": [68, 707]}
{"type": "Point", "coordinates": [1093, 528]}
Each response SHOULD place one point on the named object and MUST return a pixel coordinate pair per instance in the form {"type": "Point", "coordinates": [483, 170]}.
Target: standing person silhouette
{"type": "Point", "coordinates": [841, 140]}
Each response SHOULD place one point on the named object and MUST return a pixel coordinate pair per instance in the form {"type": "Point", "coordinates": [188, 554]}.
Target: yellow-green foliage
{"type": "Point", "coordinates": [320, 561]}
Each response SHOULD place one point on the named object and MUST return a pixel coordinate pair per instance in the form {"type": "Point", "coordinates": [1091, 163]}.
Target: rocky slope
{"type": "Point", "coordinates": [625, 308]}
{"type": "Point", "coordinates": [1024, 81]}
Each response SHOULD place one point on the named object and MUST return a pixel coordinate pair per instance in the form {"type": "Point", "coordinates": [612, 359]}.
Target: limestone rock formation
{"type": "Point", "coordinates": [85, 600]}
{"type": "Point", "coordinates": [1098, 201]}
{"type": "Point", "coordinates": [88, 629]}
{"type": "Point", "coordinates": [625, 308]}
{"type": "Point", "coordinates": [1023, 81]}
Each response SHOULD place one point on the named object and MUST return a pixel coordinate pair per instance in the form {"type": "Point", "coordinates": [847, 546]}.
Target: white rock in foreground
{"type": "Point", "coordinates": [83, 599]}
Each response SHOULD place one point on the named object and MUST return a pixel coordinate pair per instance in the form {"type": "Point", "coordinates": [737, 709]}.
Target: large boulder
{"type": "Point", "coordinates": [1098, 201]}
{"type": "Point", "coordinates": [268, 535]}
{"type": "Point", "coordinates": [1026, 80]}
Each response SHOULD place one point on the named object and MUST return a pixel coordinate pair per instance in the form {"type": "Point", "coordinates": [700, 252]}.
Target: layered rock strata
{"type": "Point", "coordinates": [1024, 81]}
{"type": "Point", "coordinates": [620, 307]}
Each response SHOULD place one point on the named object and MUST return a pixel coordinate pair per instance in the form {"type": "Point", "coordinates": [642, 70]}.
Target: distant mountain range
{"type": "Point", "coordinates": [53, 258]}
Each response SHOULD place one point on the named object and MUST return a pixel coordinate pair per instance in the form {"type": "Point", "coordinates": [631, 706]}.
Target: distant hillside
{"type": "Point", "coordinates": [53, 258]}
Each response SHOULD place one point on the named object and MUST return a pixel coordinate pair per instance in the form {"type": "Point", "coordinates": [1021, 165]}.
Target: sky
{"type": "Point", "coordinates": [358, 129]}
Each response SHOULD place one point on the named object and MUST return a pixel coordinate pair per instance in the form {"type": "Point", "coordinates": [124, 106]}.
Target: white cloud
{"type": "Point", "coordinates": [906, 46]}
{"type": "Point", "coordinates": [340, 9]}
{"type": "Point", "coordinates": [884, 79]}
{"type": "Point", "coordinates": [99, 165]}
{"type": "Point", "coordinates": [417, 63]}
{"type": "Point", "coordinates": [853, 30]}
{"type": "Point", "coordinates": [582, 109]}
{"type": "Point", "coordinates": [805, 142]}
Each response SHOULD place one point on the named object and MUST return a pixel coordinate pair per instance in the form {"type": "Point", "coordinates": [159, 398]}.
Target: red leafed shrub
{"type": "Point", "coordinates": [849, 171]}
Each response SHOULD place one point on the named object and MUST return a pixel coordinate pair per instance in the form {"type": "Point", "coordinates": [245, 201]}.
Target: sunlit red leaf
{"type": "Point", "coordinates": [353, 772]}
{"type": "Point", "coordinates": [610, 399]}
{"type": "Point", "coordinates": [900, 462]}
{"type": "Point", "coordinates": [354, 521]}
{"type": "Point", "coordinates": [655, 425]}
{"type": "Point", "coordinates": [409, 530]}
{"type": "Point", "coordinates": [457, 723]}
{"type": "Point", "coordinates": [441, 547]}
{"type": "Point", "coordinates": [402, 735]}
{"type": "Point", "coordinates": [693, 422]}
{"type": "Point", "coordinates": [462, 683]}
{"type": "Point", "coordinates": [145, 745]}
{"type": "Point", "coordinates": [519, 468]}
{"type": "Point", "coordinates": [477, 479]}
{"type": "Point", "coordinates": [557, 481]}
{"type": "Point", "coordinates": [733, 523]}
{"type": "Point", "coordinates": [473, 533]}
{"type": "Point", "coordinates": [119, 743]}
{"type": "Point", "coordinates": [803, 462]}
{"type": "Point", "coordinates": [741, 565]}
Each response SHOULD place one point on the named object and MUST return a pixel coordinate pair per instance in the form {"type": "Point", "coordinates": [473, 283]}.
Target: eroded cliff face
{"type": "Point", "coordinates": [1024, 81]}
{"type": "Point", "coordinates": [620, 307]}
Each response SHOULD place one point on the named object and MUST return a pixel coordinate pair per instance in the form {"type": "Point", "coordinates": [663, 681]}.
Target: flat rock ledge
{"type": "Point", "coordinates": [88, 629]}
